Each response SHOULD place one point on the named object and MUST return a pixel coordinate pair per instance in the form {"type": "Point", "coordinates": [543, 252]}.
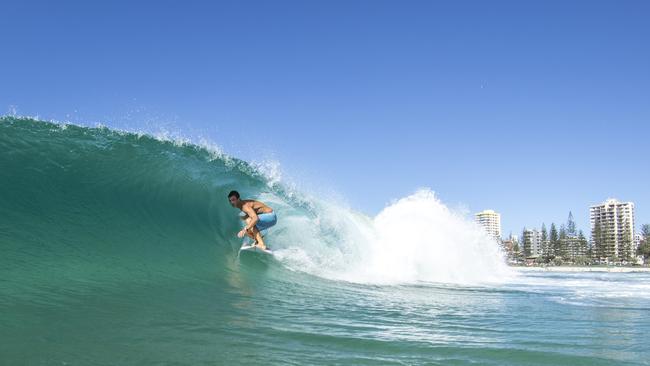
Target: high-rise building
{"type": "Point", "coordinates": [491, 222]}
{"type": "Point", "coordinates": [612, 229]}
{"type": "Point", "coordinates": [638, 238]}
{"type": "Point", "coordinates": [533, 239]}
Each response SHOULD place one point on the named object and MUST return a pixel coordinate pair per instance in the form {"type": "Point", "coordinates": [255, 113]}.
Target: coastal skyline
{"type": "Point", "coordinates": [586, 230]}
{"type": "Point", "coordinates": [533, 110]}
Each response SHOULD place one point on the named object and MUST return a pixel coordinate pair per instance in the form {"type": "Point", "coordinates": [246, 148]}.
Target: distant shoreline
{"type": "Point", "coordinates": [583, 269]}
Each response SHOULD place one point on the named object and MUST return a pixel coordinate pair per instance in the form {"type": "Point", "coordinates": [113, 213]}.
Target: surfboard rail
{"type": "Point", "coordinates": [254, 249]}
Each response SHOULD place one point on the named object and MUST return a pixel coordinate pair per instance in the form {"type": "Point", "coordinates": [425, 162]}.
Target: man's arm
{"type": "Point", "coordinates": [253, 216]}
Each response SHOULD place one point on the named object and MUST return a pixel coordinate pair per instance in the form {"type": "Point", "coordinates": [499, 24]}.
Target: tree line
{"type": "Point", "coordinates": [644, 247]}
{"type": "Point", "coordinates": [567, 244]}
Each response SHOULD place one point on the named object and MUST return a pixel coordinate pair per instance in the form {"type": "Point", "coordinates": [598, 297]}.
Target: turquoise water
{"type": "Point", "coordinates": [119, 249]}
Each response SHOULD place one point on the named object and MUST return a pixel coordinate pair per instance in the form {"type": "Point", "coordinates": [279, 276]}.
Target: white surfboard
{"type": "Point", "coordinates": [254, 249]}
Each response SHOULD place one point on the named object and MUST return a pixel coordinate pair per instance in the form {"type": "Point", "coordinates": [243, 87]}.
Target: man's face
{"type": "Point", "coordinates": [233, 201]}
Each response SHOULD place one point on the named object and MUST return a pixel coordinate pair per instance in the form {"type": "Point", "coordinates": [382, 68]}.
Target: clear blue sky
{"type": "Point", "coordinates": [531, 108]}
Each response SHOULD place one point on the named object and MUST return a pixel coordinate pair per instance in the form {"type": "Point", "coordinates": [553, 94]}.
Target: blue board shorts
{"type": "Point", "coordinates": [266, 220]}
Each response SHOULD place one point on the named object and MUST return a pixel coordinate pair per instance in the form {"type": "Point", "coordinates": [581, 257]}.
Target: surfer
{"type": "Point", "coordinates": [257, 215]}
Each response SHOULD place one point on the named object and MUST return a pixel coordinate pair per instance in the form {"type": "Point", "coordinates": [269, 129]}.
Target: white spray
{"type": "Point", "coordinates": [415, 239]}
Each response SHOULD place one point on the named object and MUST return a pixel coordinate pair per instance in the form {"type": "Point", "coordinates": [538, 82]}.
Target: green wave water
{"type": "Point", "coordinates": [119, 248]}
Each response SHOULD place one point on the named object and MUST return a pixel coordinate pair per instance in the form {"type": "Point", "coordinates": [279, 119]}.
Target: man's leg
{"type": "Point", "coordinates": [257, 236]}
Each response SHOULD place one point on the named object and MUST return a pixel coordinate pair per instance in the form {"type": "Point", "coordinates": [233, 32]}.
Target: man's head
{"type": "Point", "coordinates": [233, 197]}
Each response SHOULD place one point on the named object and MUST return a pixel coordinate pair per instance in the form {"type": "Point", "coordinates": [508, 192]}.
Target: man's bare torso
{"type": "Point", "coordinates": [257, 206]}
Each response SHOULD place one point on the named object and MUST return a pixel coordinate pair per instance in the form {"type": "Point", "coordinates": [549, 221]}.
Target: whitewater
{"type": "Point", "coordinates": [119, 248]}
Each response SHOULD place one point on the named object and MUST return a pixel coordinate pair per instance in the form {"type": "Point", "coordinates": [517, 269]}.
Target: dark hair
{"type": "Point", "coordinates": [233, 193]}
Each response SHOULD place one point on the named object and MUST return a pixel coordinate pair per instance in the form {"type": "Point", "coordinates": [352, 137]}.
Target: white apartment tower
{"type": "Point", "coordinates": [491, 222]}
{"type": "Point", "coordinates": [612, 229]}
{"type": "Point", "coordinates": [534, 238]}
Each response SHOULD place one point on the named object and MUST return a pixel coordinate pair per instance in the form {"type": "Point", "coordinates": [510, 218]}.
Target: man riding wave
{"type": "Point", "coordinates": [257, 216]}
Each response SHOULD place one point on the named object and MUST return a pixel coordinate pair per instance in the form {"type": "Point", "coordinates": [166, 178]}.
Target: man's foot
{"type": "Point", "coordinates": [261, 246]}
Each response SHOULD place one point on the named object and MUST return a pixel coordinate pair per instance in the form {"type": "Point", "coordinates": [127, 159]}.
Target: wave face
{"type": "Point", "coordinates": [80, 200]}
{"type": "Point", "coordinates": [103, 206]}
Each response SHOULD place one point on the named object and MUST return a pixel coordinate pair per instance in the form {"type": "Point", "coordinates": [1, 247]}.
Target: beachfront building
{"type": "Point", "coordinates": [612, 230]}
{"type": "Point", "coordinates": [638, 238]}
{"type": "Point", "coordinates": [491, 222]}
{"type": "Point", "coordinates": [533, 240]}
{"type": "Point", "coordinates": [574, 247]}
{"type": "Point", "coordinates": [511, 248]}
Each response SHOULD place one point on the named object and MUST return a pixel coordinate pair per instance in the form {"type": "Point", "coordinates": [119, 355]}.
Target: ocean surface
{"type": "Point", "coordinates": [119, 248]}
